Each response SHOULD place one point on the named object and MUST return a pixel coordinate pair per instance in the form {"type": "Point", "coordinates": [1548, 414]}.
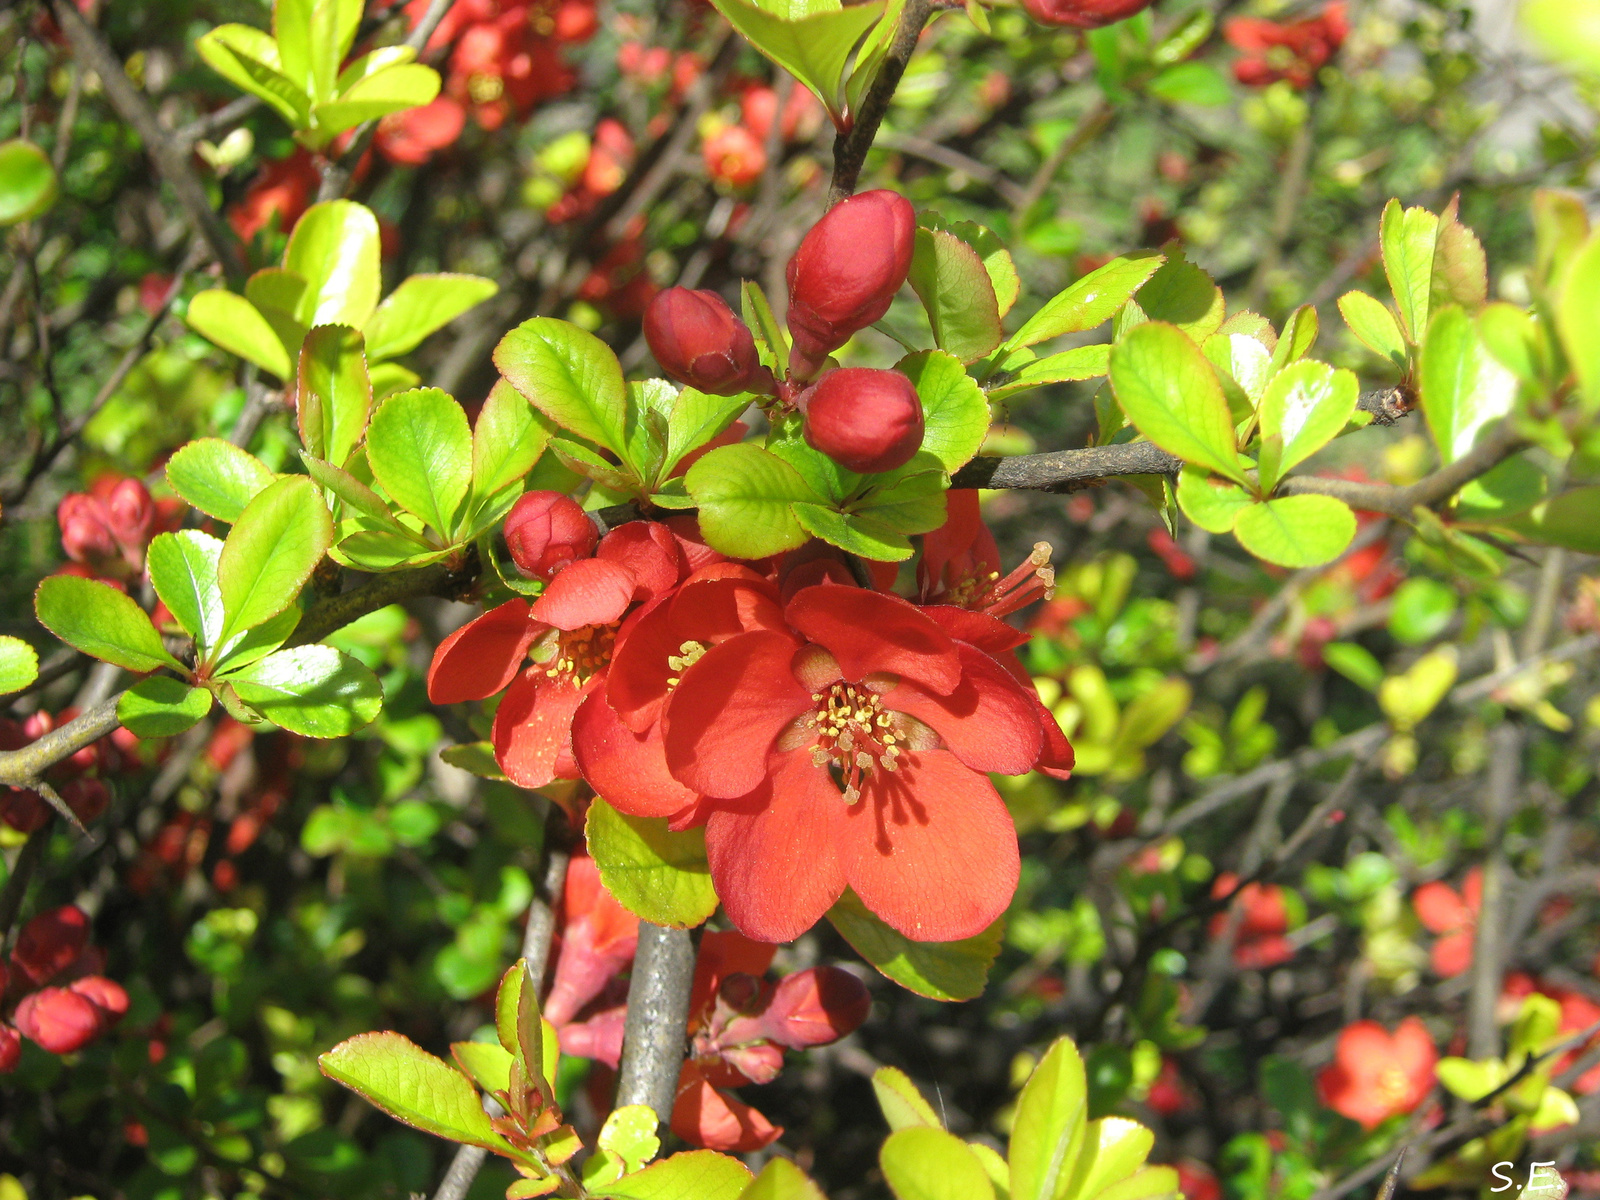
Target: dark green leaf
{"type": "Point", "coordinates": [938, 970]}
{"type": "Point", "coordinates": [315, 691]}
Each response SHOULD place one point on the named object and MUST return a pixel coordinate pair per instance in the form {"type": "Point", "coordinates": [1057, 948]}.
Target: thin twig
{"type": "Point", "coordinates": [851, 146]}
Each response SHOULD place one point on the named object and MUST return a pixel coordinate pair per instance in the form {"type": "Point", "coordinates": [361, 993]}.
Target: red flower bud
{"type": "Point", "coordinates": [545, 531]}
{"type": "Point", "coordinates": [812, 1008]}
{"type": "Point", "coordinates": [131, 516]}
{"type": "Point", "coordinates": [698, 340]}
{"type": "Point", "coordinates": [58, 1019]}
{"type": "Point", "coordinates": [24, 811]}
{"type": "Point", "coordinates": [85, 535]}
{"type": "Point", "coordinates": [1083, 14]}
{"type": "Point", "coordinates": [48, 944]}
{"type": "Point", "coordinates": [863, 419]}
{"type": "Point", "coordinates": [87, 798]}
{"type": "Point", "coordinates": [10, 1049]}
{"type": "Point", "coordinates": [107, 995]}
{"type": "Point", "coordinates": [845, 273]}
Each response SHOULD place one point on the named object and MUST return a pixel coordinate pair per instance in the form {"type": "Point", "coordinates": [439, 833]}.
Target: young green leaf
{"type": "Point", "coordinates": [572, 377]}
{"type": "Point", "coordinates": [938, 970]}
{"type": "Point", "coordinates": [1375, 326]}
{"type": "Point", "coordinates": [1296, 531]}
{"type": "Point", "coordinates": [1571, 519]}
{"type": "Point", "coordinates": [236, 325]}
{"type": "Point", "coordinates": [1081, 362]}
{"type": "Point", "coordinates": [955, 289]}
{"type": "Point", "coordinates": [920, 1163]}
{"type": "Point", "coordinates": [335, 247]}
{"type": "Point", "coordinates": [780, 1179]}
{"type": "Point", "coordinates": [1047, 1134]}
{"type": "Point", "coordinates": [1213, 504]}
{"type": "Point", "coordinates": [1089, 302]}
{"type": "Point", "coordinates": [361, 499]}
{"type": "Point", "coordinates": [1464, 389]}
{"type": "Point", "coordinates": [854, 534]}
{"type": "Point", "coordinates": [1560, 228]}
{"type": "Point", "coordinates": [391, 90]}
{"type": "Point", "coordinates": [772, 339]}
{"type": "Point", "coordinates": [654, 873]}
{"type": "Point", "coordinates": [486, 1065]}
{"type": "Point", "coordinates": [315, 691]}
{"type": "Point", "coordinates": [694, 420]}
{"type": "Point", "coordinates": [1299, 335]}
{"type": "Point", "coordinates": [507, 440]}
{"type": "Point", "coordinates": [996, 259]}
{"type": "Point", "coordinates": [1170, 393]}
{"type": "Point", "coordinates": [1180, 293]}
{"type": "Point", "coordinates": [1515, 340]}
{"type": "Point", "coordinates": [162, 707]}
{"type": "Point", "coordinates": [217, 477]}
{"type": "Point", "coordinates": [1113, 1149]}
{"type": "Point", "coordinates": [691, 1175]}
{"type": "Point", "coordinates": [1191, 83]}
{"type": "Point", "coordinates": [395, 1074]}
{"type": "Point", "coordinates": [1578, 322]}
{"type": "Point", "coordinates": [1409, 238]}
{"type": "Point", "coordinates": [955, 411]}
{"type": "Point", "coordinates": [28, 184]}
{"type": "Point", "coordinates": [744, 494]}
{"type": "Point", "coordinates": [812, 40]}
{"type": "Point", "coordinates": [902, 1104]}
{"type": "Point", "coordinates": [249, 59]}
{"type": "Point", "coordinates": [333, 395]}
{"type": "Point", "coordinates": [19, 665]}
{"type": "Point", "coordinates": [1244, 365]}
{"type": "Point", "coordinates": [420, 448]}
{"type": "Point", "coordinates": [249, 645]}
{"type": "Point", "coordinates": [102, 622]}
{"type": "Point", "coordinates": [270, 553]}
{"type": "Point", "coordinates": [1355, 662]}
{"type": "Point", "coordinates": [418, 307]}
{"type": "Point", "coordinates": [183, 571]}
{"type": "Point", "coordinates": [1303, 409]}
{"type": "Point", "coordinates": [1460, 269]}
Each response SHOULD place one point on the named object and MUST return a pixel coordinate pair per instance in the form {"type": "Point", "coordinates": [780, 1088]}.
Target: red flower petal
{"type": "Point", "coordinates": [728, 709]}
{"type": "Point", "coordinates": [50, 942]}
{"type": "Point", "coordinates": [591, 591]}
{"type": "Point", "coordinates": [715, 1120]}
{"type": "Point", "coordinates": [600, 1037]}
{"type": "Point", "coordinates": [1440, 908]}
{"type": "Point", "coordinates": [988, 633]}
{"type": "Point", "coordinates": [533, 725]}
{"type": "Point", "coordinates": [988, 721]}
{"type": "Point", "coordinates": [773, 854]}
{"type": "Point", "coordinates": [1057, 758]}
{"type": "Point", "coordinates": [649, 551]}
{"type": "Point", "coordinates": [1452, 954]}
{"type": "Point", "coordinates": [627, 769]}
{"type": "Point", "coordinates": [483, 656]}
{"type": "Point", "coordinates": [930, 849]}
{"type": "Point", "coordinates": [871, 632]}
{"type": "Point", "coordinates": [723, 954]}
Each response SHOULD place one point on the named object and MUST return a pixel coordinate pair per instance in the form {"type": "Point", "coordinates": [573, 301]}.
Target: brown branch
{"type": "Point", "coordinates": [850, 147]}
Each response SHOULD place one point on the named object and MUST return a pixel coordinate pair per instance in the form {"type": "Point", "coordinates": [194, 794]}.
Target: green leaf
{"type": "Point", "coordinates": [1460, 269]}
{"type": "Point", "coordinates": [1375, 326]}
{"type": "Point", "coordinates": [1244, 365]}
{"type": "Point", "coordinates": [937, 970]}
{"type": "Point", "coordinates": [811, 39]}
{"type": "Point", "coordinates": [335, 247]}
{"type": "Point", "coordinates": [1048, 1132]}
{"type": "Point", "coordinates": [1578, 321]}
{"type": "Point", "coordinates": [909, 499]}
{"type": "Point", "coordinates": [780, 1179]}
{"type": "Point", "coordinates": [102, 622]}
{"type": "Point", "coordinates": [1560, 228]}
{"type": "Point", "coordinates": [995, 1167]}
{"type": "Point", "coordinates": [487, 1065]}
{"type": "Point", "coordinates": [1114, 1148]}
{"type": "Point", "coordinates": [363, 500]}
{"type": "Point", "coordinates": [1515, 340]}
{"type": "Point", "coordinates": [1566, 30]}
{"type": "Point", "coordinates": [744, 494]}
{"type": "Point", "coordinates": [28, 184]}
{"type": "Point", "coordinates": [691, 1175]}
{"type": "Point", "coordinates": [957, 293]}
{"type": "Point", "coordinates": [1303, 409]}
{"type": "Point", "coordinates": [395, 1074]}
{"type": "Point", "coordinates": [1570, 519]}
{"type": "Point", "coordinates": [333, 395]}
{"type": "Point", "coordinates": [370, 64]}
{"type": "Point", "coordinates": [217, 477]}
{"type": "Point", "coordinates": [654, 873]}
{"type": "Point", "coordinates": [315, 691]}
{"type": "Point", "coordinates": [1296, 531]}
{"type": "Point", "coordinates": [1180, 293]}
{"type": "Point", "coordinates": [248, 645]}
{"type": "Point", "coordinates": [694, 420]}
{"type": "Point", "coordinates": [920, 1163]}
{"type": "Point", "coordinates": [1420, 610]}
{"type": "Point", "coordinates": [236, 325]}
{"type": "Point", "coordinates": [392, 90]}
{"type": "Point", "coordinates": [1464, 390]}
{"type": "Point", "coordinates": [1409, 238]}
{"type": "Point", "coordinates": [519, 1026]}
{"type": "Point", "coordinates": [772, 340]}
{"type": "Point", "coordinates": [418, 307]}
{"type": "Point", "coordinates": [19, 665]}
{"type": "Point", "coordinates": [248, 59]}
{"type": "Point", "coordinates": [861, 536]}
{"type": "Point", "coordinates": [1191, 83]}
{"type": "Point", "coordinates": [997, 260]}
{"type": "Point", "coordinates": [475, 757]}
{"type": "Point", "coordinates": [1172, 396]}
{"type": "Point", "coordinates": [507, 440]}
{"type": "Point", "coordinates": [1299, 335]}
{"type": "Point", "coordinates": [955, 411]}
{"type": "Point", "coordinates": [277, 295]}
{"type": "Point", "coordinates": [1355, 662]}
{"type": "Point", "coordinates": [270, 553]}
{"type": "Point", "coordinates": [162, 707]}
{"type": "Point", "coordinates": [1089, 302]}
{"type": "Point", "coordinates": [420, 448]}
{"type": "Point", "coordinates": [1081, 362]}
{"type": "Point", "coordinates": [183, 571]}
{"type": "Point", "coordinates": [870, 56]}
{"type": "Point", "coordinates": [902, 1104]}
{"type": "Point", "coordinates": [572, 377]}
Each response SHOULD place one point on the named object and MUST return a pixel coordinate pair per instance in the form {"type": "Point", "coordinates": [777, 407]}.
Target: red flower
{"type": "Point", "coordinates": [412, 137]}
{"type": "Point", "coordinates": [277, 196]}
{"type": "Point", "coordinates": [1258, 941]}
{"type": "Point", "coordinates": [801, 115]}
{"type": "Point", "coordinates": [10, 1049]}
{"type": "Point", "coordinates": [598, 939]}
{"type": "Point", "coordinates": [1376, 1075]}
{"type": "Point", "coordinates": [1196, 1181]}
{"type": "Point", "coordinates": [960, 564]}
{"type": "Point", "coordinates": [1169, 1094]}
{"type": "Point", "coordinates": [734, 156]}
{"type": "Point", "coordinates": [58, 1019]}
{"type": "Point", "coordinates": [1454, 916]}
{"type": "Point", "coordinates": [50, 943]}
{"type": "Point", "coordinates": [1294, 51]}
{"type": "Point", "coordinates": [707, 1116]}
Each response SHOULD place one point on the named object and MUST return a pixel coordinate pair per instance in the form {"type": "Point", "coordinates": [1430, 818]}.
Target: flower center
{"type": "Point", "coordinates": [688, 654]}
{"type": "Point", "coordinates": [485, 88]}
{"type": "Point", "coordinates": [849, 733]}
{"type": "Point", "coordinates": [1394, 1089]}
{"type": "Point", "coordinates": [578, 654]}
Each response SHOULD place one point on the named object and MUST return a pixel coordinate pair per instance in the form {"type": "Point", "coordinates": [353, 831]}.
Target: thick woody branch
{"type": "Point", "coordinates": [850, 147]}
{"type": "Point", "coordinates": [658, 1013]}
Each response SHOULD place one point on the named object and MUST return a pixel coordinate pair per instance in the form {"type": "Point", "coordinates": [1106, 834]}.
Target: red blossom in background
{"type": "Point", "coordinates": [1453, 916]}
{"type": "Point", "coordinates": [1196, 1181]}
{"type": "Point", "coordinates": [1293, 51]}
{"type": "Point", "coordinates": [734, 156]}
{"type": "Point", "coordinates": [1376, 1075]}
{"type": "Point", "coordinates": [1258, 940]}
{"type": "Point", "coordinates": [108, 527]}
{"type": "Point", "coordinates": [276, 197]}
{"type": "Point", "coordinates": [66, 1004]}
{"type": "Point", "coordinates": [412, 137]}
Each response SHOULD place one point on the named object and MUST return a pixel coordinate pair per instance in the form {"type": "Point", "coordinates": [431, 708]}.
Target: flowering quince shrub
{"type": "Point", "coordinates": [747, 601]}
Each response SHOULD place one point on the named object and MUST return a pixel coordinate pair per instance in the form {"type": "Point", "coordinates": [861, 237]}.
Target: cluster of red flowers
{"type": "Point", "coordinates": [63, 1003]}
{"type": "Point", "coordinates": [1376, 1075]}
{"type": "Point", "coordinates": [105, 530]}
{"type": "Point", "coordinates": [740, 1024]}
{"type": "Point", "coordinates": [1286, 50]}
{"type": "Point", "coordinates": [1453, 916]}
{"type": "Point", "coordinates": [826, 735]}
{"type": "Point", "coordinates": [1259, 940]}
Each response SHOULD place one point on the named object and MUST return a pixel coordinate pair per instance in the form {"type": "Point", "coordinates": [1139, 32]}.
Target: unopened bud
{"type": "Point", "coordinates": [58, 1019]}
{"type": "Point", "coordinates": [85, 535]}
{"type": "Point", "coordinates": [814, 1007]}
{"type": "Point", "coordinates": [545, 531]}
{"type": "Point", "coordinates": [1083, 14]}
{"type": "Point", "coordinates": [699, 341]}
{"type": "Point", "coordinates": [845, 273]}
{"type": "Point", "coordinates": [864, 419]}
{"type": "Point", "coordinates": [107, 995]}
{"type": "Point", "coordinates": [131, 516]}
{"type": "Point", "coordinates": [50, 943]}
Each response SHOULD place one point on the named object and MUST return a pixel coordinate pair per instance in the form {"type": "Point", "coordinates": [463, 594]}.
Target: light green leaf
{"type": "Point", "coordinates": [335, 247]}
{"type": "Point", "coordinates": [102, 622]}
{"type": "Point", "coordinates": [572, 377]}
{"type": "Point", "coordinates": [1048, 1132]}
{"type": "Point", "coordinates": [28, 184]}
{"type": "Point", "coordinates": [692, 1175]}
{"type": "Point", "coordinates": [248, 59]}
{"type": "Point", "coordinates": [957, 293]}
{"type": "Point", "coordinates": [1560, 228]}
{"type": "Point", "coordinates": [1082, 362]}
{"type": "Point", "coordinates": [654, 873]}
{"type": "Point", "coordinates": [1578, 321]}
{"type": "Point", "coordinates": [955, 411]}
{"type": "Point", "coordinates": [507, 440]}
{"type": "Point", "coordinates": [1244, 365]}
{"type": "Point", "coordinates": [411, 1085]}
{"type": "Point", "coordinates": [1375, 326]}
{"type": "Point", "coordinates": [162, 707]}
{"type": "Point", "coordinates": [1213, 504]}
{"type": "Point", "coordinates": [236, 325]}
{"type": "Point", "coordinates": [920, 1163]}
{"type": "Point", "coordinates": [418, 307]}
{"type": "Point", "coordinates": [1089, 302]}
{"type": "Point", "coordinates": [1355, 662]}
{"type": "Point", "coordinates": [1147, 1183]}
{"type": "Point", "coordinates": [1515, 340]}
{"type": "Point", "coordinates": [909, 499]}
{"type": "Point", "coordinates": [363, 500]}
{"type": "Point", "coordinates": [1303, 409]}
{"type": "Point", "coordinates": [1566, 30]}
{"type": "Point", "coordinates": [902, 1104]}
{"type": "Point", "coordinates": [487, 1065]}
{"type": "Point", "coordinates": [333, 395]}
{"type": "Point", "coordinates": [217, 477]}
{"type": "Point", "coordinates": [1464, 390]}
{"type": "Point", "coordinates": [1570, 519]}
{"type": "Point", "coordinates": [1113, 1149]}
{"type": "Point", "coordinates": [420, 449]}
{"type": "Point", "coordinates": [811, 40]}
{"type": "Point", "coordinates": [780, 1179]}
{"type": "Point", "coordinates": [315, 691]}
{"type": "Point", "coordinates": [1460, 268]}
{"type": "Point", "coordinates": [183, 571]}
{"type": "Point", "coordinates": [772, 340]}
{"type": "Point", "coordinates": [1296, 531]}
{"type": "Point", "coordinates": [870, 56]}
{"type": "Point", "coordinates": [271, 552]}
{"type": "Point", "coordinates": [19, 665]}
{"type": "Point", "coordinates": [626, 1142]}
{"type": "Point", "coordinates": [1172, 396]}
{"type": "Point", "coordinates": [861, 536]}
{"type": "Point", "coordinates": [248, 645]}
{"type": "Point", "coordinates": [938, 970]}
{"type": "Point", "coordinates": [1409, 238]}
{"type": "Point", "coordinates": [696, 418]}
{"type": "Point", "coordinates": [1299, 335]}
{"type": "Point", "coordinates": [1181, 294]}
{"type": "Point", "coordinates": [744, 494]}
{"type": "Point", "coordinates": [390, 377]}
{"type": "Point", "coordinates": [997, 260]}
{"type": "Point", "coordinates": [391, 90]}
{"type": "Point", "coordinates": [995, 1167]}
{"type": "Point", "coordinates": [371, 63]}
{"type": "Point", "coordinates": [1191, 83]}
